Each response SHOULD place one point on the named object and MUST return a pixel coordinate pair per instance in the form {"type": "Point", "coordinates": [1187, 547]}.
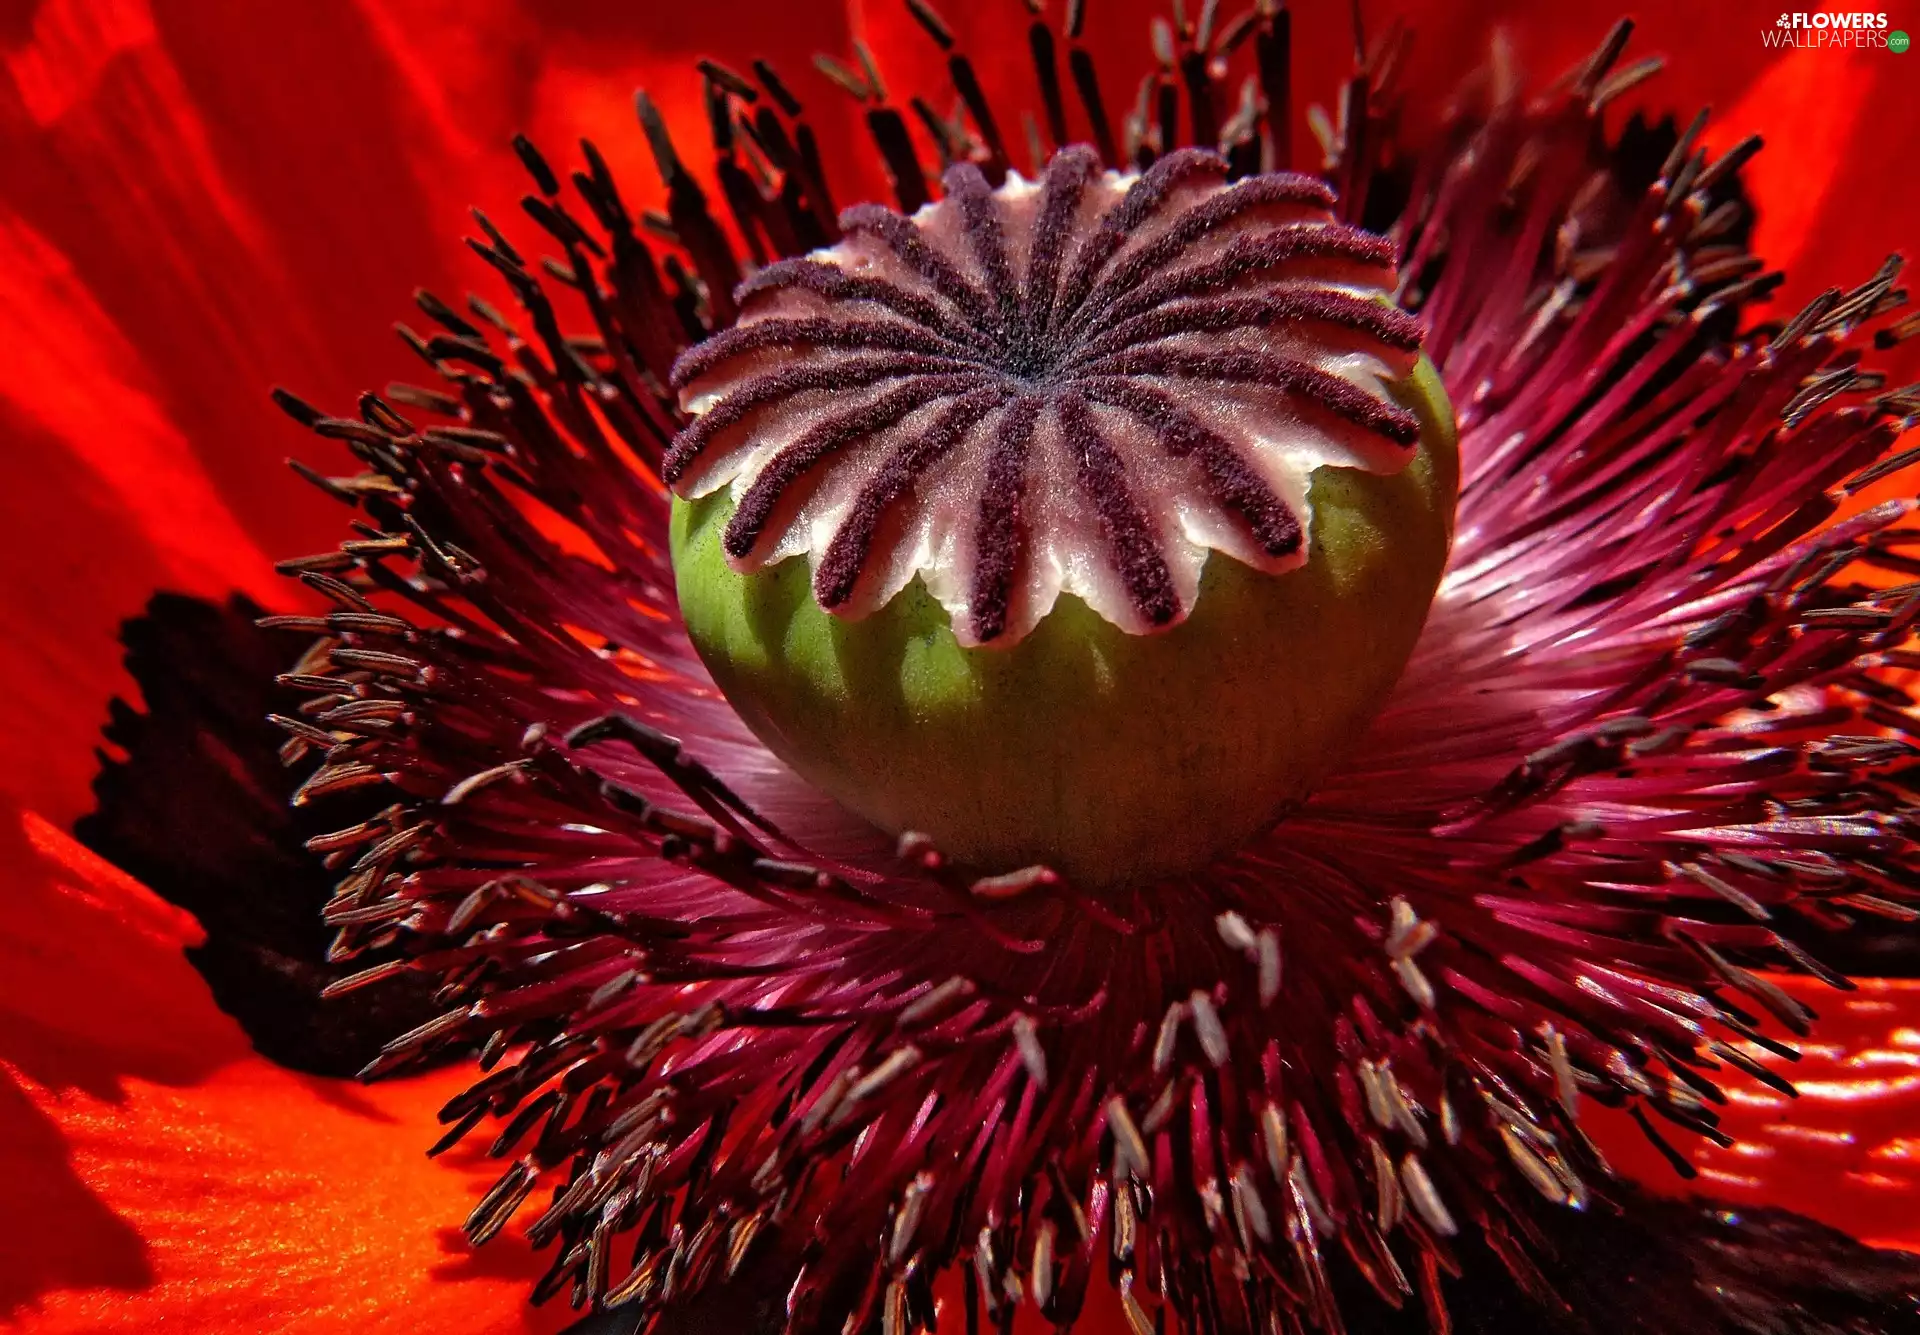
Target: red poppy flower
{"type": "Point", "coordinates": [1648, 768]}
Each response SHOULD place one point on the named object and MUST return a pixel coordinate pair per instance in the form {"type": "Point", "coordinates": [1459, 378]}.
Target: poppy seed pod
{"type": "Point", "coordinates": [1126, 496]}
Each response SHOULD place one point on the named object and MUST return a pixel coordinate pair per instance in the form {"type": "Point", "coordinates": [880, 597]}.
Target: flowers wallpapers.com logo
{"type": "Point", "coordinates": [1836, 30]}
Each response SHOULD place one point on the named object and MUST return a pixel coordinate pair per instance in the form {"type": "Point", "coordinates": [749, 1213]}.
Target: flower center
{"type": "Point", "coordinates": [1082, 384]}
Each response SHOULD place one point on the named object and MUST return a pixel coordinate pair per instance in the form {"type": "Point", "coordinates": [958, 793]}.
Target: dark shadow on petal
{"type": "Point", "coordinates": [198, 812]}
{"type": "Point", "coordinates": [1643, 1265]}
{"type": "Point", "coordinates": [61, 1235]}
{"type": "Point", "coordinates": [1871, 948]}
{"type": "Point", "coordinates": [16, 20]}
{"type": "Point", "coordinates": [90, 998]}
{"type": "Point", "coordinates": [466, 1261]}
{"type": "Point", "coordinates": [87, 998]}
{"type": "Point", "coordinates": [1649, 1265]}
{"type": "Point", "coordinates": [754, 1301]}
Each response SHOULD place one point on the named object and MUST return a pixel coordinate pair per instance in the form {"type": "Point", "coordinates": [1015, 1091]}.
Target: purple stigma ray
{"type": "Point", "coordinates": [1221, 314]}
{"type": "Point", "coordinates": [1146, 195]}
{"type": "Point", "coordinates": [798, 459]}
{"type": "Point", "coordinates": [1130, 538]}
{"type": "Point", "coordinates": [982, 224]}
{"type": "Point", "coordinates": [1241, 334]}
{"type": "Point", "coordinates": [1245, 257]}
{"type": "Point", "coordinates": [833, 583]}
{"type": "Point", "coordinates": [782, 384]}
{"type": "Point", "coordinates": [1065, 184]}
{"type": "Point", "coordinates": [1254, 368]}
{"type": "Point", "coordinates": [1228, 475]}
{"type": "Point", "coordinates": [904, 239]}
{"type": "Point", "coordinates": [824, 280]}
{"type": "Point", "coordinates": [999, 530]}
{"type": "Point", "coordinates": [1197, 224]}
{"type": "Point", "coordinates": [876, 335]}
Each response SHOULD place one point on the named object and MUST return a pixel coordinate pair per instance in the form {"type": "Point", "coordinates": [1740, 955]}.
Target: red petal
{"type": "Point", "coordinates": [165, 1176]}
{"type": "Point", "coordinates": [109, 503]}
{"type": "Point", "coordinates": [1808, 106]}
{"type": "Point", "coordinates": [1845, 1152]}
